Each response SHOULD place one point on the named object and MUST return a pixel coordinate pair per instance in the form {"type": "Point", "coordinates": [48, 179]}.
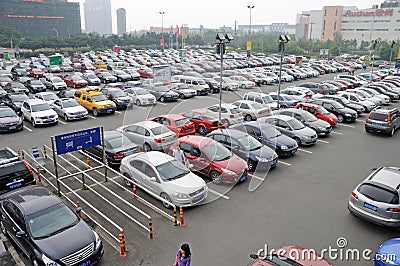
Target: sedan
{"type": "Point", "coordinates": [232, 114]}
{"type": "Point", "coordinates": [106, 77]}
{"type": "Point", "coordinates": [204, 120]}
{"type": "Point", "coordinates": [9, 120]}
{"type": "Point", "coordinates": [141, 96]}
{"type": "Point", "coordinates": [319, 112]}
{"type": "Point", "coordinates": [285, 101]}
{"type": "Point", "coordinates": [49, 97]}
{"type": "Point", "coordinates": [69, 109]}
{"type": "Point", "coordinates": [342, 113]}
{"type": "Point", "coordinates": [162, 93]}
{"type": "Point", "coordinates": [66, 93]}
{"type": "Point", "coordinates": [92, 79]}
{"type": "Point", "coordinates": [346, 103]}
{"type": "Point", "coordinates": [75, 81]}
{"type": "Point", "coordinates": [179, 124]}
{"type": "Point", "coordinates": [164, 176]}
{"type": "Point", "coordinates": [35, 86]}
{"type": "Point", "coordinates": [121, 75]}
{"type": "Point", "coordinates": [15, 101]}
{"type": "Point", "coordinates": [354, 98]}
{"type": "Point", "coordinates": [251, 110]}
{"type": "Point", "coordinates": [36, 72]}
{"type": "Point", "coordinates": [182, 89]}
{"type": "Point", "coordinates": [293, 128]}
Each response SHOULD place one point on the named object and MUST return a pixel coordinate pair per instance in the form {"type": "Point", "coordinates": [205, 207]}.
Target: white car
{"type": "Point", "coordinates": [298, 93]}
{"type": "Point", "coordinates": [365, 96]}
{"type": "Point", "coordinates": [69, 109]}
{"type": "Point", "coordinates": [252, 110]}
{"type": "Point", "coordinates": [38, 112]}
{"type": "Point", "coordinates": [384, 98]}
{"type": "Point", "coordinates": [141, 96]}
{"type": "Point", "coordinates": [231, 113]}
{"type": "Point", "coordinates": [227, 83]}
{"type": "Point", "coordinates": [132, 71]}
{"type": "Point", "coordinates": [261, 98]}
{"type": "Point", "coordinates": [243, 82]}
{"type": "Point", "coordinates": [49, 97]}
{"type": "Point", "coordinates": [164, 176]}
{"type": "Point", "coordinates": [354, 98]}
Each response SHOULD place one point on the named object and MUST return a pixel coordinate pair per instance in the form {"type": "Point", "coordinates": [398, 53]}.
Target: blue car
{"type": "Point", "coordinates": [388, 253]}
{"type": "Point", "coordinates": [269, 136]}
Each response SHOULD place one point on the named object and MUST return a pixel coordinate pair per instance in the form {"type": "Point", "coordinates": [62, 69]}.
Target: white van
{"type": "Point", "coordinates": [197, 84]}
{"type": "Point", "coordinates": [120, 65]}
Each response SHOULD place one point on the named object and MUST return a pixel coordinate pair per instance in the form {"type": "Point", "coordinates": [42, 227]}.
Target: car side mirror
{"type": "Point", "coordinates": [153, 179]}
{"type": "Point", "coordinates": [20, 233]}
{"type": "Point", "coordinates": [374, 169]}
{"type": "Point", "coordinates": [190, 166]}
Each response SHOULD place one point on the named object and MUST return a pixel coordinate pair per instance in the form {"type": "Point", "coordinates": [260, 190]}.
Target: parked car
{"type": "Point", "coordinates": [36, 219]}
{"type": "Point", "coordinates": [92, 79]}
{"type": "Point", "coordinates": [204, 120]}
{"type": "Point", "coordinates": [121, 75]}
{"type": "Point", "coordinates": [141, 96]}
{"type": "Point", "coordinates": [179, 124]}
{"type": "Point", "coordinates": [293, 128]}
{"type": "Point", "coordinates": [106, 77]}
{"type": "Point", "coordinates": [69, 109]}
{"type": "Point", "coordinates": [382, 120]}
{"type": "Point", "coordinates": [227, 83]}
{"type": "Point", "coordinates": [9, 120]}
{"type": "Point", "coordinates": [16, 87]}
{"type": "Point", "coordinates": [319, 112]}
{"type": "Point", "coordinates": [212, 159]}
{"type": "Point", "coordinates": [388, 253]}
{"type": "Point", "coordinates": [66, 93]}
{"type": "Point", "coordinates": [15, 101]}
{"type": "Point", "coordinates": [251, 110]}
{"type": "Point", "coordinates": [261, 98]}
{"type": "Point", "coordinates": [36, 72]}
{"type": "Point", "coordinates": [300, 94]}
{"type": "Point", "coordinates": [232, 114]}
{"type": "Point", "coordinates": [93, 100]}
{"type": "Point", "coordinates": [257, 155]}
{"type": "Point", "coordinates": [373, 93]}
{"type": "Point", "coordinates": [164, 176]}
{"type": "Point", "coordinates": [268, 135]}
{"type": "Point", "coordinates": [243, 82]}
{"type": "Point", "coordinates": [38, 112]}
{"type": "Point", "coordinates": [182, 89]}
{"type": "Point", "coordinates": [346, 103]}
{"type": "Point", "coordinates": [342, 113]}
{"type": "Point", "coordinates": [121, 99]}
{"type": "Point", "coordinates": [162, 93]}
{"type": "Point", "coordinates": [285, 101]}
{"type": "Point", "coordinates": [55, 83]}
{"type": "Point", "coordinates": [75, 81]}
{"type": "Point", "coordinates": [354, 98]}
{"type": "Point", "coordinates": [35, 85]}
{"type": "Point", "coordinates": [376, 199]}
{"type": "Point", "coordinates": [150, 134]}
{"type": "Point", "coordinates": [49, 97]}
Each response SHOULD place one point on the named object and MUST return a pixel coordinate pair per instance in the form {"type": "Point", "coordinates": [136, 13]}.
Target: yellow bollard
{"type": "Point", "coordinates": [122, 254]}
{"type": "Point", "coordinates": [181, 216]}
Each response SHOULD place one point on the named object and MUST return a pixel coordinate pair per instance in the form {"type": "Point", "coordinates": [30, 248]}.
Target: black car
{"type": "Point", "coordinates": [15, 101]}
{"type": "Point", "coordinates": [380, 89]}
{"type": "Point", "coordinates": [106, 77]}
{"type": "Point", "coordinates": [47, 230]}
{"type": "Point", "coordinates": [66, 93]}
{"type": "Point", "coordinates": [14, 172]}
{"type": "Point", "coordinates": [257, 155]}
{"type": "Point", "coordinates": [117, 146]}
{"type": "Point", "coordinates": [9, 120]}
{"type": "Point", "coordinates": [119, 97]}
{"type": "Point", "coordinates": [342, 113]}
{"type": "Point", "coordinates": [382, 120]}
{"type": "Point", "coordinates": [16, 87]}
{"type": "Point", "coordinates": [346, 103]}
{"type": "Point", "coordinates": [35, 85]}
{"type": "Point", "coordinates": [214, 86]}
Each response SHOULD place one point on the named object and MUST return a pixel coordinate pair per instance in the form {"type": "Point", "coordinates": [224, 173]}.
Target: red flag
{"type": "Point", "coordinates": [177, 31]}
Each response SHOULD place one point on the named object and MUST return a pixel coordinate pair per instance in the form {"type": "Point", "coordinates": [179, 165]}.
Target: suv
{"type": "Point", "coordinates": [38, 112]}
{"type": "Point", "coordinates": [376, 199]}
{"type": "Point", "coordinates": [119, 97]}
{"type": "Point", "coordinates": [95, 101]}
{"type": "Point", "coordinates": [383, 120]}
{"type": "Point", "coordinates": [14, 172]}
{"type": "Point", "coordinates": [342, 113]}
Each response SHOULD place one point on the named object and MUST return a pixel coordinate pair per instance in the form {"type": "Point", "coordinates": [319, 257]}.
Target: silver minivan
{"type": "Point", "coordinates": [195, 83]}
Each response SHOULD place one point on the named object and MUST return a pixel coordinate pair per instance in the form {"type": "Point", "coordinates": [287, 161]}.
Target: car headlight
{"type": "Point", "coordinates": [308, 137]}
{"type": "Point", "coordinates": [113, 105]}
{"type": "Point", "coordinates": [262, 159]}
{"type": "Point", "coordinates": [102, 106]}
{"type": "Point", "coordinates": [227, 171]}
{"type": "Point", "coordinates": [181, 195]}
{"type": "Point", "coordinates": [49, 262]}
{"type": "Point", "coordinates": [284, 147]}
{"type": "Point", "coordinates": [98, 240]}
{"type": "Point", "coordinates": [349, 115]}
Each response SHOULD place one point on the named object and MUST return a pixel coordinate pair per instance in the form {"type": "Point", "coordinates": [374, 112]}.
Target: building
{"type": "Point", "coordinates": [41, 18]}
{"type": "Point", "coordinates": [98, 16]}
{"type": "Point", "coordinates": [331, 22]}
{"type": "Point", "coordinates": [121, 21]}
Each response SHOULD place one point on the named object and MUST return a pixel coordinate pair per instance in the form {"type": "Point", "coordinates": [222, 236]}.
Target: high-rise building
{"type": "Point", "coordinates": [98, 16]}
{"type": "Point", "coordinates": [121, 21]}
{"type": "Point", "coordinates": [41, 18]}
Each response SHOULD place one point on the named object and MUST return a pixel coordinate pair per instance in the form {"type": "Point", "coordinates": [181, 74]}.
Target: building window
{"type": "Point", "coordinates": [336, 12]}
{"type": "Point", "coordinates": [334, 26]}
{"type": "Point", "coordinates": [325, 11]}
{"type": "Point", "coordinates": [323, 27]}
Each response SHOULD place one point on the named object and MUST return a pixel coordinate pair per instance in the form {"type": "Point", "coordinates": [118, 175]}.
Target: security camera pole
{"type": "Point", "coordinates": [281, 45]}
{"type": "Point", "coordinates": [222, 40]}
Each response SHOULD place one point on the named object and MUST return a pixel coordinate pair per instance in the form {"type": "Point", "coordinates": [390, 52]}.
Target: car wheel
{"type": "Point", "coordinates": [247, 118]}
{"type": "Point", "coordinates": [53, 88]}
{"type": "Point", "coordinates": [146, 147]}
{"type": "Point", "coordinates": [167, 198]}
{"type": "Point", "coordinates": [138, 103]}
{"type": "Point", "coordinates": [181, 96]}
{"type": "Point", "coordinates": [65, 117]}
{"type": "Point", "coordinates": [202, 130]}
{"type": "Point", "coordinates": [162, 99]}
{"type": "Point", "coordinates": [243, 86]}
{"type": "Point", "coordinates": [128, 183]}
{"type": "Point", "coordinates": [198, 93]}
{"type": "Point", "coordinates": [215, 177]}
{"type": "Point", "coordinates": [33, 122]}
{"type": "Point", "coordinates": [251, 165]}
{"type": "Point", "coordinates": [340, 118]}
{"type": "Point", "coordinates": [95, 112]}
{"type": "Point", "coordinates": [298, 141]}
{"type": "Point", "coordinates": [366, 130]}
{"type": "Point", "coordinates": [283, 106]}
{"type": "Point", "coordinates": [391, 132]}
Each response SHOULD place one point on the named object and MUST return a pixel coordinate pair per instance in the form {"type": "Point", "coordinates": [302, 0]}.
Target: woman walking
{"type": "Point", "coordinates": [184, 256]}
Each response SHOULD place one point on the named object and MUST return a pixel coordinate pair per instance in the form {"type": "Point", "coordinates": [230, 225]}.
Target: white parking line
{"type": "Point", "coordinates": [218, 194]}
{"type": "Point", "coordinates": [92, 117]}
{"type": "Point", "coordinates": [334, 132]}
{"type": "Point", "coordinates": [118, 112]}
{"type": "Point", "coordinates": [288, 164]}
{"type": "Point", "coordinates": [323, 141]}
{"type": "Point", "coordinates": [27, 128]}
{"type": "Point", "coordinates": [304, 151]}
{"type": "Point", "coordinates": [141, 107]}
{"type": "Point", "coordinates": [347, 126]}
{"type": "Point", "coordinates": [256, 177]}
{"type": "Point", "coordinates": [62, 122]}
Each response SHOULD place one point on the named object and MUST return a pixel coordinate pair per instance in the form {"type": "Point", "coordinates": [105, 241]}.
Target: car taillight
{"type": "Point", "coordinates": [354, 195]}
{"type": "Point", "coordinates": [322, 91]}
{"type": "Point", "coordinates": [393, 209]}
{"type": "Point", "coordinates": [27, 167]}
{"type": "Point", "coordinates": [388, 119]}
{"type": "Point", "coordinates": [118, 155]}
{"type": "Point", "coordinates": [231, 116]}
{"type": "Point", "coordinates": [159, 140]}
{"type": "Point", "coordinates": [305, 96]}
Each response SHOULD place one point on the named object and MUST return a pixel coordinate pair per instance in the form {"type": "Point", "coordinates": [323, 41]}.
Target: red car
{"type": "Point", "coordinates": [319, 112]}
{"type": "Point", "coordinates": [176, 123]}
{"type": "Point", "coordinates": [144, 73]}
{"type": "Point", "coordinates": [36, 72]}
{"type": "Point", "coordinates": [290, 255]}
{"type": "Point", "coordinates": [212, 159]}
{"type": "Point", "coordinates": [75, 81]}
{"type": "Point", "coordinates": [204, 120]}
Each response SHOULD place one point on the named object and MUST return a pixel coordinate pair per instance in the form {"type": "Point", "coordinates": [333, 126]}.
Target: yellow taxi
{"type": "Point", "coordinates": [93, 100]}
{"type": "Point", "coordinates": [98, 64]}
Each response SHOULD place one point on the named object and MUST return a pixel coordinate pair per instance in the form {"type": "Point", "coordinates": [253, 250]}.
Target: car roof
{"type": "Point", "coordinates": [230, 131]}
{"type": "Point", "coordinates": [195, 140]}
{"type": "Point", "coordinates": [314, 105]}
{"type": "Point", "coordinates": [110, 134]}
{"type": "Point", "coordinates": [35, 101]}
{"type": "Point", "coordinates": [147, 124]}
{"type": "Point", "coordinates": [293, 110]}
{"type": "Point", "coordinates": [172, 116]}
{"type": "Point", "coordinates": [153, 157]}
{"type": "Point", "coordinates": [389, 176]}
{"type": "Point", "coordinates": [200, 111]}
{"type": "Point", "coordinates": [255, 93]}
{"type": "Point", "coordinates": [282, 117]}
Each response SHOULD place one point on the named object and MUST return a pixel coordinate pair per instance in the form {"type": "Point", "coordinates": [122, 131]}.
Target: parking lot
{"type": "Point", "coordinates": [303, 201]}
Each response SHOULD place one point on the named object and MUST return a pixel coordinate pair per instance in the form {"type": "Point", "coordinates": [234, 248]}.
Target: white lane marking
{"type": "Point", "coordinates": [257, 177]}
{"type": "Point", "coordinates": [118, 112]}
{"type": "Point", "coordinates": [27, 128]}
{"type": "Point", "coordinates": [334, 132]}
{"type": "Point", "coordinates": [92, 117]}
{"type": "Point", "coordinates": [323, 141]}
{"type": "Point", "coordinates": [288, 164]}
{"type": "Point", "coordinates": [141, 107]}
{"type": "Point", "coordinates": [347, 126]}
{"type": "Point", "coordinates": [218, 194]}
{"type": "Point", "coordinates": [304, 151]}
{"type": "Point", "coordinates": [62, 122]}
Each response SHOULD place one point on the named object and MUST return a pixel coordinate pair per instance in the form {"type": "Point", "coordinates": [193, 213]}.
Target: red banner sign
{"type": "Point", "coordinates": [25, 16]}
{"type": "Point", "coordinates": [375, 13]}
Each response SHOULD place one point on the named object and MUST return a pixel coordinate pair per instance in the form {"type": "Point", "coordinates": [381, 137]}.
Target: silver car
{"type": "Point", "coordinates": [141, 96]}
{"type": "Point", "coordinates": [151, 135]}
{"type": "Point", "coordinates": [164, 176]}
{"type": "Point", "coordinates": [354, 98]}
{"type": "Point", "coordinates": [293, 128]}
{"type": "Point", "coordinates": [231, 113]}
{"type": "Point", "coordinates": [376, 199]}
{"type": "Point", "coordinates": [69, 109]}
{"type": "Point", "coordinates": [251, 110]}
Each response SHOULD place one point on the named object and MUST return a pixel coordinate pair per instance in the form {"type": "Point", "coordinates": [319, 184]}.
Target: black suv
{"type": "Point", "coordinates": [14, 172]}
{"type": "Point", "coordinates": [342, 113]}
{"type": "Point", "coordinates": [383, 121]}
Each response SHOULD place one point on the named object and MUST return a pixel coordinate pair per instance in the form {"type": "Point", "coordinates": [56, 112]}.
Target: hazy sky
{"type": "Point", "coordinates": [141, 14]}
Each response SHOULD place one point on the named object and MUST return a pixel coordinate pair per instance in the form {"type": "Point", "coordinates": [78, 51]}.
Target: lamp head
{"type": "Point", "coordinates": [220, 36]}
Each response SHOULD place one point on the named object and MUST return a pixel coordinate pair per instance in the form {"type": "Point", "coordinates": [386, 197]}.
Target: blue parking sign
{"type": "Point", "coordinates": [78, 140]}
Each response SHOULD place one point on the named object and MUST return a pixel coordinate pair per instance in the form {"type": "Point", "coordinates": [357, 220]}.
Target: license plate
{"type": "Point", "coordinates": [86, 263]}
{"type": "Point", "coordinates": [109, 110]}
{"type": "Point", "coordinates": [376, 125]}
{"type": "Point", "coordinates": [371, 207]}
{"type": "Point", "coordinates": [293, 151]}
{"type": "Point", "coordinates": [79, 116]}
{"type": "Point", "coordinates": [243, 178]}
{"type": "Point", "coordinates": [188, 129]}
{"type": "Point", "coordinates": [15, 185]}
{"type": "Point", "coordinates": [48, 120]}
{"type": "Point", "coordinates": [13, 127]}
{"type": "Point", "coordinates": [128, 153]}
{"type": "Point", "coordinates": [198, 197]}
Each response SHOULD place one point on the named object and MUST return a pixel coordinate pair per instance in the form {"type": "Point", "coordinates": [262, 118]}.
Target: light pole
{"type": "Point", "coordinates": [56, 31]}
{"type": "Point", "coordinates": [249, 42]}
{"type": "Point", "coordinates": [281, 44]}
{"type": "Point", "coordinates": [222, 40]}
{"type": "Point", "coordinates": [250, 7]}
{"type": "Point", "coordinates": [309, 52]}
{"type": "Point", "coordinates": [374, 43]}
{"type": "Point", "coordinates": [162, 30]}
{"type": "Point", "coordinates": [391, 51]}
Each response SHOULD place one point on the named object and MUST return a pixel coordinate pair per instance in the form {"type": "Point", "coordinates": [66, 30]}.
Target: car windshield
{"type": "Point", "coordinates": [235, 110]}
{"type": "Point", "coordinates": [40, 107]}
{"type": "Point", "coordinates": [337, 105]}
{"type": "Point", "coordinates": [171, 170]}
{"type": "Point", "coordinates": [67, 104]}
{"type": "Point", "coordinates": [49, 97]}
{"type": "Point", "coordinates": [211, 115]}
{"type": "Point", "coordinates": [51, 221]}
{"type": "Point", "coordinates": [91, 76]}
{"type": "Point", "coordinates": [309, 117]}
{"type": "Point", "coordinates": [36, 82]}
{"type": "Point", "coordinates": [117, 94]}
{"type": "Point", "coordinates": [201, 82]}
{"type": "Point", "coordinates": [17, 85]}
{"type": "Point", "coordinates": [249, 143]}
{"type": "Point", "coordinates": [295, 124]}
{"type": "Point", "coordinates": [99, 98]}
{"type": "Point", "coordinates": [256, 105]}
{"type": "Point", "coordinates": [345, 101]}
{"type": "Point", "coordinates": [267, 99]}
{"type": "Point", "coordinates": [217, 152]}
{"type": "Point", "coordinates": [160, 130]}
{"type": "Point", "coordinates": [117, 142]}
{"type": "Point", "coordinates": [19, 97]}
{"type": "Point", "coordinates": [7, 113]}
{"type": "Point", "coordinates": [271, 132]}
{"type": "Point", "coordinates": [181, 122]}
{"type": "Point", "coordinates": [322, 110]}
{"type": "Point", "coordinates": [56, 80]}
{"type": "Point", "coordinates": [142, 92]}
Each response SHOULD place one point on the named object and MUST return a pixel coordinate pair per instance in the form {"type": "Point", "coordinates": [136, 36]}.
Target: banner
{"type": "Point", "coordinates": [161, 74]}
{"type": "Point", "coordinates": [248, 45]}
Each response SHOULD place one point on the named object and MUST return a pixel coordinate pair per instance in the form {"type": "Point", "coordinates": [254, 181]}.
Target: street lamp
{"type": "Point", "coordinates": [162, 30]}
{"type": "Point", "coordinates": [249, 45]}
{"type": "Point", "coordinates": [374, 43]}
{"type": "Point", "coordinates": [221, 42]}
{"type": "Point", "coordinates": [392, 44]}
{"type": "Point", "coordinates": [56, 31]}
{"type": "Point", "coordinates": [250, 7]}
{"type": "Point", "coordinates": [281, 46]}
